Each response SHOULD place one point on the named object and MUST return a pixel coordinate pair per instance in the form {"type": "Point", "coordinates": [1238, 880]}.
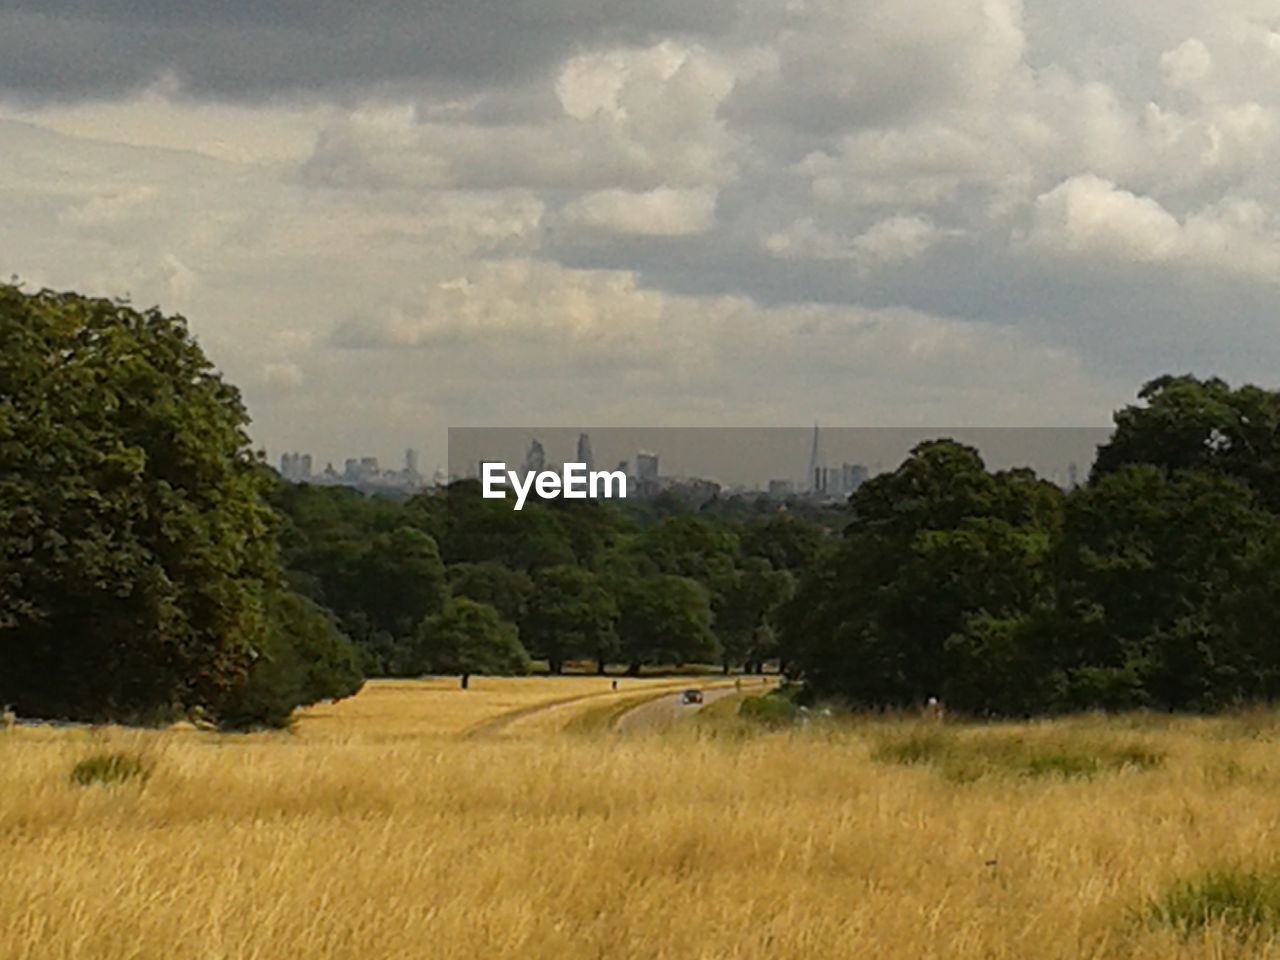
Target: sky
{"type": "Point", "coordinates": [388, 218]}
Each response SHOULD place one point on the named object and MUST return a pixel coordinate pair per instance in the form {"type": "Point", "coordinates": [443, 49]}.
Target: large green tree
{"type": "Point", "coordinates": [941, 563]}
{"type": "Point", "coordinates": [664, 619]}
{"type": "Point", "coordinates": [570, 615]}
{"type": "Point", "coordinates": [1149, 564]}
{"type": "Point", "coordinates": [466, 638]}
{"type": "Point", "coordinates": [1186, 423]}
{"type": "Point", "coordinates": [134, 542]}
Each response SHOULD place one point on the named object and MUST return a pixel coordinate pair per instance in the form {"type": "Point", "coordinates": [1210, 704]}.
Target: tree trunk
{"type": "Point", "coordinates": [465, 681]}
{"type": "Point", "coordinates": [600, 665]}
{"type": "Point", "coordinates": [556, 666]}
{"type": "Point", "coordinates": [634, 669]}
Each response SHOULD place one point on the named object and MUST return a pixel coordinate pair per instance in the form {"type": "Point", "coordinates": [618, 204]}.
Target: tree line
{"type": "Point", "coordinates": [151, 564]}
{"type": "Point", "coordinates": [1156, 584]}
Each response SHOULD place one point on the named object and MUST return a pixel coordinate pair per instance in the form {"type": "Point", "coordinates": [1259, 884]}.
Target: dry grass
{"type": "Point", "coordinates": [380, 831]}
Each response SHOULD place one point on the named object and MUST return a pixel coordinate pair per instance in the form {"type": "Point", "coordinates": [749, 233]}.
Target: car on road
{"type": "Point", "coordinates": [690, 696]}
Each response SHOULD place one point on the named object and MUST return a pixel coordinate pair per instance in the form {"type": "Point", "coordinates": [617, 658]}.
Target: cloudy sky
{"type": "Point", "coordinates": [390, 217]}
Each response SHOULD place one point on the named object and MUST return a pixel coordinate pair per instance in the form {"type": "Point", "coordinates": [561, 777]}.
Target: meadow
{"type": "Point", "coordinates": [419, 820]}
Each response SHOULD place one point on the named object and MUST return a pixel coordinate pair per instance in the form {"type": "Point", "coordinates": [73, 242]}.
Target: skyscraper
{"type": "Point", "coordinates": [584, 451]}
{"type": "Point", "coordinates": [646, 466]}
{"type": "Point", "coordinates": [814, 482]}
{"type": "Point", "coordinates": [535, 460]}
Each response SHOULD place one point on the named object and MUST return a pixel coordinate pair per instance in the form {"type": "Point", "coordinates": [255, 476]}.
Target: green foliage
{"type": "Point", "coordinates": [135, 541]}
{"type": "Point", "coordinates": [1203, 425]}
{"type": "Point", "coordinates": [466, 638]}
{"type": "Point", "coordinates": [1243, 902]}
{"type": "Point", "coordinates": [962, 758]}
{"type": "Point", "coordinates": [932, 591]}
{"type": "Point", "coordinates": [570, 615]}
{"type": "Point", "coordinates": [303, 659]}
{"type": "Point", "coordinates": [663, 619]}
{"type": "Point", "coordinates": [768, 711]}
{"type": "Point", "coordinates": [1149, 563]}
{"type": "Point", "coordinates": [109, 769]}
{"type": "Point", "coordinates": [507, 591]}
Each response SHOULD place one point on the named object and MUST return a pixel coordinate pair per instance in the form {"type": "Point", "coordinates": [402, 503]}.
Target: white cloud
{"type": "Point", "coordinates": [1093, 217]}
{"type": "Point", "coordinates": [283, 376]}
{"type": "Point", "coordinates": [1187, 66]}
{"type": "Point", "coordinates": [663, 212]}
{"type": "Point", "coordinates": [633, 119]}
{"type": "Point", "coordinates": [889, 242]}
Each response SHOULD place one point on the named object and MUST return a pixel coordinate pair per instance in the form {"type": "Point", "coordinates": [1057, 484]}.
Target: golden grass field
{"type": "Point", "coordinates": [418, 820]}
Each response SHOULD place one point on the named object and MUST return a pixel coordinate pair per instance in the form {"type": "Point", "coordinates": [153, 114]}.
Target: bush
{"type": "Point", "coordinates": [109, 768]}
{"type": "Point", "coordinates": [304, 659]}
{"type": "Point", "coordinates": [769, 711]}
{"type": "Point", "coordinates": [966, 759]}
{"type": "Point", "coordinates": [1245, 902]}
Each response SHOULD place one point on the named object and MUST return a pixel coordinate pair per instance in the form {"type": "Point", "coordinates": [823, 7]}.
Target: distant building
{"type": "Point", "coordinates": [411, 463]}
{"type": "Point", "coordinates": [535, 460]}
{"type": "Point", "coordinates": [780, 489]}
{"type": "Point", "coordinates": [646, 466]}
{"type": "Point", "coordinates": [584, 451]}
{"type": "Point", "coordinates": [838, 481]}
{"type": "Point", "coordinates": [295, 467]}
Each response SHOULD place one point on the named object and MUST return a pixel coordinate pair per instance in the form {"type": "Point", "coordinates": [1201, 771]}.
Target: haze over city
{"type": "Point", "coordinates": [693, 213]}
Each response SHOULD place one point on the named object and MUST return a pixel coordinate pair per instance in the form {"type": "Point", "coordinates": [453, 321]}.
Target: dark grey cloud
{"type": "Point", "coordinates": [66, 49]}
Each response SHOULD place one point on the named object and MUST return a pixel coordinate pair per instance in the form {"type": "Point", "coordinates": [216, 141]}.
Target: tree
{"type": "Point", "coordinates": [396, 581]}
{"type": "Point", "coordinates": [478, 530]}
{"type": "Point", "coordinates": [570, 614]}
{"type": "Point", "coordinates": [1185, 423]}
{"type": "Point", "coordinates": [664, 619]}
{"type": "Point", "coordinates": [786, 541]}
{"type": "Point", "coordinates": [465, 638]}
{"type": "Point", "coordinates": [743, 614]}
{"type": "Point", "coordinates": [304, 658]}
{"type": "Point", "coordinates": [1149, 562]}
{"type": "Point", "coordinates": [936, 554]}
{"type": "Point", "coordinates": [135, 545]}
{"type": "Point", "coordinates": [506, 590]}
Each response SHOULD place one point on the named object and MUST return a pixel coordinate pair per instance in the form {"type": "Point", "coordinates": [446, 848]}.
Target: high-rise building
{"type": "Point", "coordinates": [813, 461]}
{"type": "Point", "coordinates": [411, 464]}
{"type": "Point", "coordinates": [852, 476]}
{"type": "Point", "coordinates": [584, 451]}
{"type": "Point", "coordinates": [646, 466]}
{"type": "Point", "coordinates": [304, 469]}
{"type": "Point", "coordinates": [535, 460]}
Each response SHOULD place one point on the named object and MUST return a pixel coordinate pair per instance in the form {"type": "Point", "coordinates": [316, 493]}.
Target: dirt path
{"type": "Point", "coordinates": [499, 723]}
{"type": "Point", "coordinates": [657, 713]}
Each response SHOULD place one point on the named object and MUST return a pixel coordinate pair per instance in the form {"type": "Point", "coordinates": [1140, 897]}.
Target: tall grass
{"type": "Point", "coordinates": [377, 833]}
{"type": "Point", "coordinates": [971, 755]}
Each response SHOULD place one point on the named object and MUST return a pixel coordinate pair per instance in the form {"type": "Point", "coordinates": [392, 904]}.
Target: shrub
{"type": "Point", "coordinates": [914, 747]}
{"type": "Point", "coordinates": [769, 711]}
{"type": "Point", "coordinates": [109, 768]}
{"type": "Point", "coordinates": [304, 659]}
{"type": "Point", "coordinates": [966, 759]}
{"type": "Point", "coordinates": [1245, 902]}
